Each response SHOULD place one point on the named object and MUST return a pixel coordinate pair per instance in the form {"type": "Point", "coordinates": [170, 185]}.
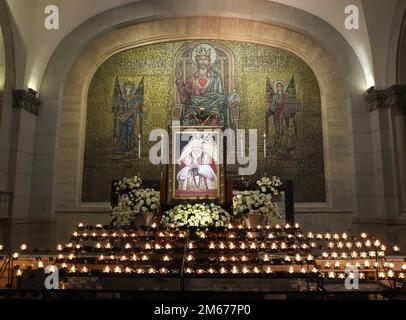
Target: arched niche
{"type": "Point", "coordinates": [338, 158]}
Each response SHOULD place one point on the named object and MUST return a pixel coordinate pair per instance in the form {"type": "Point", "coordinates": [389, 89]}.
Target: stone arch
{"type": "Point", "coordinates": [78, 81]}
{"type": "Point", "coordinates": [63, 89]}
{"type": "Point", "coordinates": [401, 64]}
{"type": "Point", "coordinates": [7, 81]}
{"type": "Point", "coordinates": [397, 47]}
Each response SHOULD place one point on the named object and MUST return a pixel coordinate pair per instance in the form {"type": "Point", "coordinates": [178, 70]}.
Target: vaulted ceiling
{"type": "Point", "coordinates": [34, 44]}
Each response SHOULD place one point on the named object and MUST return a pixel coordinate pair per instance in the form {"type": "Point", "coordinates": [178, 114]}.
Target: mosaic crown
{"type": "Point", "coordinates": [202, 51]}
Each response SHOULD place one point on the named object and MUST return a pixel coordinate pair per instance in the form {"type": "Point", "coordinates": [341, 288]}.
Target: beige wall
{"type": "Point", "coordinates": [337, 149]}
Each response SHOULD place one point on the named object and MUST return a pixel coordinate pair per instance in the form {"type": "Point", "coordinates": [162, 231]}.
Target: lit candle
{"type": "Point", "coordinates": [242, 145]}
{"type": "Point", "coordinates": [15, 255]}
{"type": "Point", "coordinates": [1, 247]}
{"type": "Point", "coordinates": [396, 249]}
{"type": "Point", "coordinates": [268, 270]}
{"type": "Point", "coordinates": [23, 247]}
{"type": "Point", "coordinates": [19, 273]}
{"type": "Point", "coordinates": [264, 145]}
{"type": "Point", "coordinates": [139, 145]}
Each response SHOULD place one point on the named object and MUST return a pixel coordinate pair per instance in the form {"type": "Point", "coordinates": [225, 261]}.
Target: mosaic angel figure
{"type": "Point", "coordinates": [283, 107]}
{"type": "Point", "coordinates": [128, 101]}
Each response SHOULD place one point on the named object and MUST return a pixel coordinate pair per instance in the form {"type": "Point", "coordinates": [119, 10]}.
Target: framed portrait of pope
{"type": "Point", "coordinates": [196, 172]}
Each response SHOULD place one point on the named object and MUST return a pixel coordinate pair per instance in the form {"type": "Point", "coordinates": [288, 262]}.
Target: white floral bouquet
{"type": "Point", "coordinates": [122, 214]}
{"type": "Point", "coordinates": [132, 200]}
{"type": "Point", "coordinates": [252, 202]}
{"type": "Point", "coordinates": [269, 185]}
{"type": "Point", "coordinates": [126, 185]}
{"type": "Point", "coordinates": [196, 215]}
{"type": "Point", "coordinates": [145, 201]}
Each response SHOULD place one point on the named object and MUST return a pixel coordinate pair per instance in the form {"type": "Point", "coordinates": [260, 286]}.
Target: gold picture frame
{"type": "Point", "coordinates": [196, 172]}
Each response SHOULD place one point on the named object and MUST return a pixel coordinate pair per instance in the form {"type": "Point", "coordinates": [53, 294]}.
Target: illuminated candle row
{"type": "Point", "coordinates": [352, 255]}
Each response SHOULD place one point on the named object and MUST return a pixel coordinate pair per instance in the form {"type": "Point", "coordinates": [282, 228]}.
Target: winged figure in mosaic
{"type": "Point", "coordinates": [283, 113]}
{"type": "Point", "coordinates": [128, 101]}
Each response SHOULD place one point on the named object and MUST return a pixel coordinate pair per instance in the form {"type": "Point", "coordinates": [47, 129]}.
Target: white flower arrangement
{"type": "Point", "coordinates": [196, 215]}
{"type": "Point", "coordinates": [144, 201]}
{"type": "Point", "coordinates": [122, 214]}
{"type": "Point", "coordinates": [252, 202]}
{"type": "Point", "coordinates": [133, 201]}
{"type": "Point", "coordinates": [126, 185]}
{"type": "Point", "coordinates": [269, 185]}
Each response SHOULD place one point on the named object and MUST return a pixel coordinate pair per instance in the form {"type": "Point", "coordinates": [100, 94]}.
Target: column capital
{"type": "Point", "coordinates": [26, 100]}
{"type": "Point", "coordinates": [392, 97]}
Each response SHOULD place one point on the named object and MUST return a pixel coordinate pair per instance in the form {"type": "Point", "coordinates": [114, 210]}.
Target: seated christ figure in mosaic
{"type": "Point", "coordinates": [203, 91]}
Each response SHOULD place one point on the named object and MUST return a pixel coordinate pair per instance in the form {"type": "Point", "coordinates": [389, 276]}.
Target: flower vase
{"type": "Point", "coordinates": [254, 220]}
{"type": "Point", "coordinates": [143, 219]}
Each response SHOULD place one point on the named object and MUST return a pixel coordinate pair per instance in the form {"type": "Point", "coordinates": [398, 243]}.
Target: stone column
{"type": "Point", "coordinates": [396, 101]}
{"type": "Point", "coordinates": [387, 116]}
{"type": "Point", "coordinates": [26, 108]}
